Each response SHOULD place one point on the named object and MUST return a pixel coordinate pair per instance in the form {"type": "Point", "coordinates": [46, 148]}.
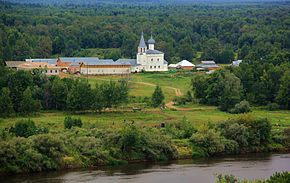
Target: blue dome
{"type": "Point", "coordinates": [151, 41]}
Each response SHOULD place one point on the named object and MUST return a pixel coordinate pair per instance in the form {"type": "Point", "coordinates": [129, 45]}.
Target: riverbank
{"type": "Point", "coordinates": [40, 150]}
{"type": "Point", "coordinates": [252, 167]}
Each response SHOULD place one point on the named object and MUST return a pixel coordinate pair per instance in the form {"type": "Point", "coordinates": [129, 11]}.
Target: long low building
{"type": "Point", "coordinates": [184, 65]}
{"type": "Point", "coordinates": [105, 67]}
{"type": "Point", "coordinates": [208, 65]}
{"type": "Point", "coordinates": [46, 68]}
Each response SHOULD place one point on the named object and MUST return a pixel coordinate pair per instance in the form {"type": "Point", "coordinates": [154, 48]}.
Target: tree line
{"type": "Point", "coordinates": [24, 92]}
{"type": "Point", "coordinates": [191, 31]}
{"type": "Point", "coordinates": [259, 83]}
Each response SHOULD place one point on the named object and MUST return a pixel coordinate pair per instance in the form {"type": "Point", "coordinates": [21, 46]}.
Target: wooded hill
{"type": "Point", "coordinates": [220, 32]}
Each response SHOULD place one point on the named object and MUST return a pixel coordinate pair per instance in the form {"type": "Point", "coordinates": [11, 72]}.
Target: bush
{"type": "Point", "coordinates": [242, 107]}
{"type": "Point", "coordinates": [17, 155]}
{"type": "Point", "coordinates": [286, 133]}
{"type": "Point", "coordinates": [180, 100]}
{"type": "Point", "coordinates": [51, 147]}
{"type": "Point", "coordinates": [283, 177]}
{"type": "Point", "coordinates": [69, 122]}
{"type": "Point", "coordinates": [24, 128]}
{"type": "Point", "coordinates": [231, 146]}
{"type": "Point", "coordinates": [91, 150]}
{"type": "Point", "coordinates": [181, 130]}
{"type": "Point", "coordinates": [209, 140]}
{"type": "Point", "coordinates": [236, 132]}
{"type": "Point", "coordinates": [273, 106]}
{"type": "Point", "coordinates": [259, 130]}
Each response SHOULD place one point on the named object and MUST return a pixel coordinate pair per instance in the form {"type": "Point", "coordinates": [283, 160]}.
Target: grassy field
{"type": "Point", "coordinates": [143, 85]}
{"type": "Point", "coordinates": [149, 117]}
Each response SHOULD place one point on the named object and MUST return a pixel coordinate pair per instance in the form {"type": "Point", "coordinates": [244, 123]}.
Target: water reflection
{"type": "Point", "coordinates": [201, 170]}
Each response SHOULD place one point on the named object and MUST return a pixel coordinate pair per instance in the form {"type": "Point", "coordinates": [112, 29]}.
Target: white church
{"type": "Point", "coordinates": [148, 58]}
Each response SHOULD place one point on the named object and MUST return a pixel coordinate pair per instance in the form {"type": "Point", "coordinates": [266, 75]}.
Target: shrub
{"type": "Point", "coordinates": [180, 100]}
{"type": "Point", "coordinates": [283, 177]}
{"type": "Point", "coordinates": [91, 150]}
{"type": "Point", "coordinates": [237, 132]}
{"type": "Point", "coordinates": [273, 106]}
{"type": "Point", "coordinates": [51, 147]}
{"type": "Point", "coordinates": [231, 146]}
{"type": "Point", "coordinates": [242, 107]}
{"type": "Point", "coordinates": [182, 130]}
{"type": "Point", "coordinates": [69, 122]}
{"type": "Point", "coordinates": [287, 135]}
{"type": "Point", "coordinates": [259, 130]}
{"type": "Point", "coordinates": [208, 139]}
{"type": "Point", "coordinates": [24, 128]}
{"type": "Point", "coordinates": [226, 179]}
{"type": "Point", "coordinates": [17, 155]}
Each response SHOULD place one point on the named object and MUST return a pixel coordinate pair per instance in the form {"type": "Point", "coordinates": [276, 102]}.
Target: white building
{"type": "Point", "coordinates": [237, 63]}
{"type": "Point", "coordinates": [148, 58]}
{"type": "Point", "coordinates": [104, 67]}
{"type": "Point", "coordinates": [46, 68]}
{"type": "Point", "coordinates": [184, 64]}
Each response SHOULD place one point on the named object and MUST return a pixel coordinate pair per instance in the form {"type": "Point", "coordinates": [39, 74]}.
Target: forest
{"type": "Point", "coordinates": [51, 123]}
{"type": "Point", "coordinates": [220, 32]}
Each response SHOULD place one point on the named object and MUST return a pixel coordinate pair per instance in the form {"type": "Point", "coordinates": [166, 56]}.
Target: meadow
{"type": "Point", "coordinates": [142, 85]}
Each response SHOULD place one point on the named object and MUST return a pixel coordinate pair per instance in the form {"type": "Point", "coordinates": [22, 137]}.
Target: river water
{"type": "Point", "coordinates": [259, 166]}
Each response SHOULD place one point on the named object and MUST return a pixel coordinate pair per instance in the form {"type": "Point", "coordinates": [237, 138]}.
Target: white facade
{"type": "Point", "coordinates": [150, 59]}
{"type": "Point", "coordinates": [109, 70]}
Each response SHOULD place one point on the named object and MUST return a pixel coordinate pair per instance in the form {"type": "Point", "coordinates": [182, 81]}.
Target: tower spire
{"type": "Point", "coordinates": [142, 43]}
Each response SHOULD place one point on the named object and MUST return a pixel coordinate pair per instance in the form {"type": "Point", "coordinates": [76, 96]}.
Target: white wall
{"type": "Point", "coordinates": [155, 62]}
{"type": "Point", "coordinates": [104, 71]}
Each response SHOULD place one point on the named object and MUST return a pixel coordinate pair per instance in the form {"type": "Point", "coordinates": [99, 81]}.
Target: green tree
{"type": "Point", "coordinates": [18, 82]}
{"type": "Point", "coordinates": [81, 96]}
{"type": "Point", "coordinates": [186, 51]}
{"type": "Point", "coordinates": [28, 105]}
{"type": "Point", "coordinates": [283, 97]}
{"type": "Point", "coordinates": [231, 93]}
{"type": "Point", "coordinates": [157, 97]}
{"type": "Point", "coordinates": [6, 105]}
{"type": "Point", "coordinates": [59, 91]}
{"type": "Point", "coordinates": [24, 128]}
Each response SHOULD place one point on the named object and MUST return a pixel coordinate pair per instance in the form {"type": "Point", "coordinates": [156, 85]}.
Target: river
{"type": "Point", "coordinates": [259, 166]}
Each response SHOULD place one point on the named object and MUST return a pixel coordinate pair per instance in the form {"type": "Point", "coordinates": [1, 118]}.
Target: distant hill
{"type": "Point", "coordinates": [96, 2]}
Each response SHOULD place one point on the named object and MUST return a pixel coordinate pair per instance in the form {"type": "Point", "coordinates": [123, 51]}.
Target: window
{"type": "Point", "coordinates": [158, 66]}
{"type": "Point", "coordinates": [157, 59]}
{"type": "Point", "coordinates": [55, 71]}
{"type": "Point", "coordinates": [150, 67]}
{"type": "Point", "coordinates": [50, 71]}
{"type": "Point", "coordinates": [154, 67]}
{"type": "Point", "coordinates": [152, 59]}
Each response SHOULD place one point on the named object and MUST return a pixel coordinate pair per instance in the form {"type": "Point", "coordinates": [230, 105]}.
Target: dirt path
{"type": "Point", "coordinates": [170, 104]}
